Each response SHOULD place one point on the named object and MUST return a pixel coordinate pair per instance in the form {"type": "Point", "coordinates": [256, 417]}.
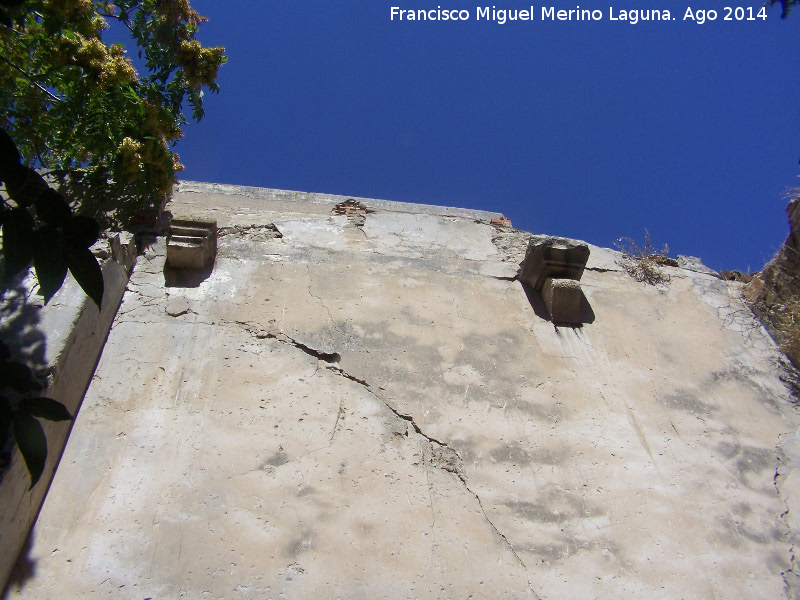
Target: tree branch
{"type": "Point", "coordinates": [28, 77]}
{"type": "Point", "coordinates": [125, 22]}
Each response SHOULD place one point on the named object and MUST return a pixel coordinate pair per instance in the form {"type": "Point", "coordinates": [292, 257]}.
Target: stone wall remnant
{"type": "Point", "coordinates": [384, 411]}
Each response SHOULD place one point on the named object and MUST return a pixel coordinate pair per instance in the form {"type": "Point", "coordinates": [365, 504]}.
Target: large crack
{"type": "Point", "coordinates": [443, 462]}
{"type": "Point", "coordinates": [258, 333]}
{"type": "Point", "coordinates": [791, 578]}
{"type": "Point", "coordinates": [443, 456]}
{"type": "Point", "coordinates": [447, 458]}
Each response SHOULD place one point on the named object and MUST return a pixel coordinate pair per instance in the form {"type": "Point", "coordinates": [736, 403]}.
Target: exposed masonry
{"type": "Point", "coordinates": [511, 243]}
{"type": "Point", "coordinates": [257, 233]}
{"type": "Point", "coordinates": [354, 210]}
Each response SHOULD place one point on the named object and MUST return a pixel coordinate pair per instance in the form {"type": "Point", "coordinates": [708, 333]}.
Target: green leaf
{"type": "Point", "coordinates": [81, 232]}
{"type": "Point", "coordinates": [48, 260]}
{"type": "Point", "coordinates": [9, 155]}
{"type": "Point", "coordinates": [18, 377]}
{"type": "Point", "coordinates": [45, 408]}
{"type": "Point", "coordinates": [52, 208]}
{"type": "Point", "coordinates": [5, 421]}
{"type": "Point", "coordinates": [5, 351]}
{"type": "Point", "coordinates": [86, 270]}
{"type": "Point", "coordinates": [25, 185]}
{"type": "Point", "coordinates": [31, 443]}
{"type": "Point", "coordinates": [17, 241]}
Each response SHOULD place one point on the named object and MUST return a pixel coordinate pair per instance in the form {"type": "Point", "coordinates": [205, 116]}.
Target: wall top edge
{"type": "Point", "coordinates": [318, 198]}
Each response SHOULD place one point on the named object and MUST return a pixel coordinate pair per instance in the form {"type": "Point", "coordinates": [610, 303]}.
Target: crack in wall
{"type": "Point", "coordinates": [443, 456]}
{"type": "Point", "coordinates": [339, 415]}
{"type": "Point", "coordinates": [446, 459]}
{"type": "Point", "coordinates": [791, 578]}
{"type": "Point", "coordinates": [319, 298]}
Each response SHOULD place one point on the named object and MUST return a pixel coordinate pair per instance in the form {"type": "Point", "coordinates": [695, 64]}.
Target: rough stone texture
{"type": "Point", "coordinates": [191, 244]}
{"type": "Point", "coordinates": [562, 297]}
{"type": "Point", "coordinates": [553, 258]}
{"type": "Point", "coordinates": [692, 263]}
{"type": "Point", "coordinates": [379, 411]}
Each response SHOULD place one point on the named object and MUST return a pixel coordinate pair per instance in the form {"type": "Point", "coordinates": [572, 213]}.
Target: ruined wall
{"type": "Point", "coordinates": [372, 406]}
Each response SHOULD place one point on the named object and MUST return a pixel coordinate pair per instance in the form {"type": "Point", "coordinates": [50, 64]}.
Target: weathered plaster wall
{"type": "Point", "coordinates": [61, 342]}
{"type": "Point", "coordinates": [372, 407]}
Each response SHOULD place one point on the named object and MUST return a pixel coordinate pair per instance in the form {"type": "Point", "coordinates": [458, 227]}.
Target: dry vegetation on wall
{"type": "Point", "coordinates": [645, 263]}
{"type": "Point", "coordinates": [785, 326]}
{"type": "Point", "coordinates": [774, 293]}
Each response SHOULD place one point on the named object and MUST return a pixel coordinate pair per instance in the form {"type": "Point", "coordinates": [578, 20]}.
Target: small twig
{"type": "Point", "coordinates": [28, 77]}
{"type": "Point", "coordinates": [13, 30]}
{"type": "Point", "coordinates": [125, 22]}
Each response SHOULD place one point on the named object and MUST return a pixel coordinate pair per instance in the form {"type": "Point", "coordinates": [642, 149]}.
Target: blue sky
{"type": "Point", "coordinates": [587, 129]}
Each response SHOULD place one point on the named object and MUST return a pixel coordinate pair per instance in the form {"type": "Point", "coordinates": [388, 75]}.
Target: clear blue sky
{"type": "Point", "coordinates": [586, 129]}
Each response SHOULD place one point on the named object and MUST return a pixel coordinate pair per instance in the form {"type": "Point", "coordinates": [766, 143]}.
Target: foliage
{"type": "Point", "coordinates": [645, 263]}
{"type": "Point", "coordinates": [785, 319]}
{"type": "Point", "coordinates": [779, 310]}
{"type": "Point", "coordinates": [20, 408]}
{"type": "Point", "coordinates": [38, 227]}
{"type": "Point", "coordinates": [786, 6]}
{"type": "Point", "coordinates": [774, 294]}
{"type": "Point", "coordinates": [77, 106]}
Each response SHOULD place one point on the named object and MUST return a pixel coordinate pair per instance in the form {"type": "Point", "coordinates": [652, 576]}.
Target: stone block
{"type": "Point", "coordinates": [562, 297]}
{"type": "Point", "coordinates": [553, 258]}
{"type": "Point", "coordinates": [692, 263]}
{"type": "Point", "coordinates": [191, 245]}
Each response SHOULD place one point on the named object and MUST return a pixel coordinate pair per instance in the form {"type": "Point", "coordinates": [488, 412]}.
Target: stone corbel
{"type": "Point", "coordinates": [191, 252]}
{"type": "Point", "coordinates": [553, 267]}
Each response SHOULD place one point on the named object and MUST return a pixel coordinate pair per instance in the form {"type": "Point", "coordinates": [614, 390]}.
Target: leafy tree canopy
{"type": "Point", "coordinates": [77, 106]}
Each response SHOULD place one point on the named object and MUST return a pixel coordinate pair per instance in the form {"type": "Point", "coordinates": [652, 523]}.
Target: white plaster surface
{"type": "Point", "coordinates": [379, 411]}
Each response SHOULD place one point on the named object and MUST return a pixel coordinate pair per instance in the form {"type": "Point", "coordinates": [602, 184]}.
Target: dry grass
{"type": "Point", "coordinates": [788, 322]}
{"type": "Point", "coordinates": [645, 263]}
{"type": "Point", "coordinates": [776, 302]}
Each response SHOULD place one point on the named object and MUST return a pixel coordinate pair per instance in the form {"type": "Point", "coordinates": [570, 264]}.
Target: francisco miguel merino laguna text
{"type": "Point", "coordinates": [547, 13]}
